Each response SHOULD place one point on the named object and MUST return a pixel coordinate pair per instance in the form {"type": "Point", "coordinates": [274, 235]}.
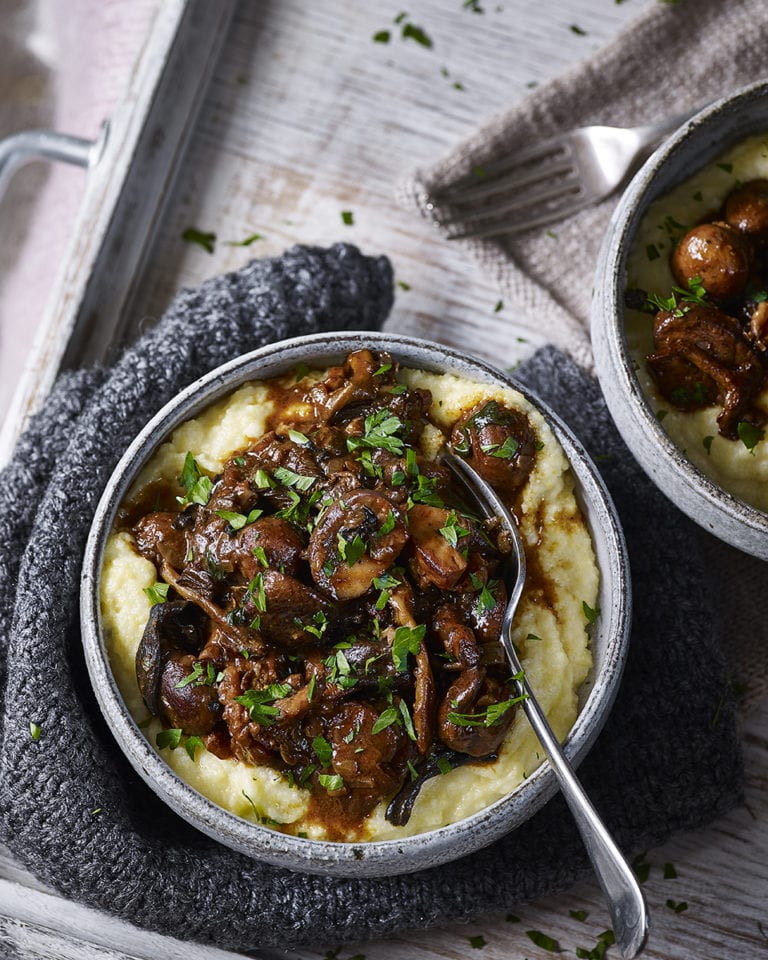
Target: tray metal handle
{"type": "Point", "coordinates": [21, 148]}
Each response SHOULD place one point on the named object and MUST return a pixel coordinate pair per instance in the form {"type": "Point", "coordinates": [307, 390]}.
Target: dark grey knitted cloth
{"type": "Point", "coordinates": [668, 758]}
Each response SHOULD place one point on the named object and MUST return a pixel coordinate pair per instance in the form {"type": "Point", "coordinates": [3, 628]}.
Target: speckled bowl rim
{"type": "Point", "coordinates": [709, 134]}
{"type": "Point", "coordinates": [384, 857]}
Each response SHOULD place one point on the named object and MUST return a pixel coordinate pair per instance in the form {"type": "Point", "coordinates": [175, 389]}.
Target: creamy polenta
{"type": "Point", "coordinates": [551, 628]}
{"type": "Point", "coordinates": [740, 467]}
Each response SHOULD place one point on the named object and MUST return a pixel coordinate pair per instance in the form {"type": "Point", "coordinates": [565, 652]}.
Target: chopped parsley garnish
{"type": "Point", "coordinates": [403, 285]}
{"type": "Point", "coordinates": [239, 520]}
{"type": "Point", "coordinates": [323, 751]}
{"type": "Point", "coordinates": [478, 942]}
{"type": "Point", "coordinates": [297, 437]}
{"type": "Point", "coordinates": [507, 450]}
{"type": "Point", "coordinates": [169, 738]}
{"type": "Point", "coordinates": [381, 430]}
{"type": "Point", "coordinates": [35, 730]}
{"type": "Point", "coordinates": [660, 414]}
{"type": "Point", "coordinates": [579, 914]}
{"type": "Point", "coordinates": [406, 640]}
{"type": "Point", "coordinates": [261, 556]}
{"type": "Point", "coordinates": [258, 703]}
{"type": "Point", "coordinates": [384, 583]}
{"type": "Point", "coordinates": [452, 530]}
{"type": "Point", "coordinates": [199, 676]}
{"type": "Point", "coordinates": [474, 6]}
{"type": "Point", "coordinates": [385, 719]}
{"type": "Point", "coordinates": [669, 872]}
{"type": "Point", "coordinates": [198, 487]}
{"type": "Point", "coordinates": [444, 765]}
{"type": "Point", "coordinates": [405, 713]}
{"type": "Point", "coordinates": [301, 371]}
{"type": "Point", "coordinates": [331, 781]}
{"type": "Point", "coordinates": [543, 941]}
{"type": "Point", "coordinates": [347, 218]}
{"type": "Point", "coordinates": [499, 306]}
{"type": "Point", "coordinates": [579, 31]}
{"type": "Point", "coordinates": [388, 526]}
{"type": "Point", "coordinates": [318, 626]}
{"type": "Point", "coordinates": [311, 688]}
{"type": "Point", "coordinates": [589, 613]}
{"type": "Point", "coordinates": [157, 593]}
{"type": "Point", "coordinates": [382, 369]}
{"type": "Point", "coordinates": [652, 251]}
{"type": "Point", "coordinates": [290, 479]}
{"type": "Point", "coordinates": [382, 36]}
{"type": "Point", "coordinates": [707, 444]}
{"type": "Point", "coordinates": [486, 601]}
{"type": "Point", "coordinates": [192, 745]}
{"type": "Point", "coordinates": [485, 718]}
{"type": "Point", "coordinates": [350, 551]}
{"type": "Point", "coordinates": [749, 434]}
{"type": "Point", "coordinates": [257, 591]}
{"type": "Point", "coordinates": [727, 167]}
{"type": "Point", "coordinates": [263, 480]}
{"type": "Point", "coordinates": [205, 240]}
{"type": "Point", "coordinates": [424, 492]}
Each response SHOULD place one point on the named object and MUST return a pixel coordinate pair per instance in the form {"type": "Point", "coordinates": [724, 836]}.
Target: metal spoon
{"type": "Point", "coordinates": [629, 914]}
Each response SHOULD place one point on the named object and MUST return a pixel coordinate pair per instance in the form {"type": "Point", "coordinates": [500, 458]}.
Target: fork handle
{"type": "Point", "coordinates": [629, 914]}
{"type": "Point", "coordinates": [650, 134]}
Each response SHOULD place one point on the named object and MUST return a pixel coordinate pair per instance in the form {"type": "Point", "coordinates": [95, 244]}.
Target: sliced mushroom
{"type": "Point", "coordinates": [702, 356]}
{"type": "Point", "coordinates": [435, 560]}
{"type": "Point", "coordinates": [365, 526]}
{"type": "Point", "coordinates": [173, 628]}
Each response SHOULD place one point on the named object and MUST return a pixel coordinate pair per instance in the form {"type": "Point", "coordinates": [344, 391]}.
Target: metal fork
{"type": "Point", "coordinates": [547, 182]}
{"type": "Point", "coordinates": [626, 904]}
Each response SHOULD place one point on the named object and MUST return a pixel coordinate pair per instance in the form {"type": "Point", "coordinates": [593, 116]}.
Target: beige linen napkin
{"type": "Point", "coordinates": [672, 58]}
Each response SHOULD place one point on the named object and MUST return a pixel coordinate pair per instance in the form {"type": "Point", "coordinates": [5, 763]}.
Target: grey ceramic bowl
{"type": "Point", "coordinates": [696, 144]}
{"type": "Point", "coordinates": [382, 857]}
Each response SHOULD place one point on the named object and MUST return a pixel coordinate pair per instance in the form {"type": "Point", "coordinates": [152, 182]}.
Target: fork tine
{"type": "Point", "coordinates": [537, 153]}
{"type": "Point", "coordinates": [505, 183]}
{"type": "Point", "coordinates": [498, 227]}
{"type": "Point", "coordinates": [547, 193]}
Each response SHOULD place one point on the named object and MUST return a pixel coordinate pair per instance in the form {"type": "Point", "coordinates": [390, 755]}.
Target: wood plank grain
{"type": "Point", "coordinates": [307, 117]}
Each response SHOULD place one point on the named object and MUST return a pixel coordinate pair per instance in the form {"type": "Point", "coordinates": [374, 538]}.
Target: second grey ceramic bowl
{"type": "Point", "coordinates": [609, 639]}
{"type": "Point", "coordinates": [698, 143]}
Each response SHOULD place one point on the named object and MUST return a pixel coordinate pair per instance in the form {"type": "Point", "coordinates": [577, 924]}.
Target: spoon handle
{"type": "Point", "coordinates": [629, 914]}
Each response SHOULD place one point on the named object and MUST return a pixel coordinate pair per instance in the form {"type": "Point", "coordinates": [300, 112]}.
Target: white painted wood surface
{"type": "Point", "coordinates": [305, 118]}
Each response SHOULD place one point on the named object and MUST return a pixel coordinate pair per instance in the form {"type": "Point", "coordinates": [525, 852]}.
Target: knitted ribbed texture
{"type": "Point", "coordinates": [668, 758]}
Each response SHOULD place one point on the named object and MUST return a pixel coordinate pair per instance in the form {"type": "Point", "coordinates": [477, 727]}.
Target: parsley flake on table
{"type": "Point", "coordinates": [677, 906]}
{"type": "Point", "coordinates": [382, 36]}
{"type": "Point", "coordinates": [347, 218]}
{"type": "Point", "coordinates": [499, 306]}
{"type": "Point", "coordinates": [477, 942]}
{"type": "Point", "coordinates": [579, 31]}
{"type": "Point", "coordinates": [411, 31]}
{"type": "Point", "coordinates": [35, 730]}
{"type": "Point", "coordinates": [205, 240]}
{"type": "Point", "coordinates": [543, 941]}
{"type": "Point", "coordinates": [247, 242]}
